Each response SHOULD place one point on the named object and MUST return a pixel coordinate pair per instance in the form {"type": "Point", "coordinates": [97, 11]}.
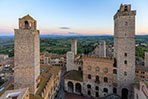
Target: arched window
{"type": "Point", "coordinates": [114, 90]}
{"type": "Point", "coordinates": [114, 71]}
{"type": "Point", "coordinates": [80, 69]}
{"type": "Point", "coordinates": [89, 86]}
{"type": "Point", "coordinates": [78, 88]}
{"type": "Point", "coordinates": [125, 62]}
{"type": "Point", "coordinates": [97, 69]}
{"type": "Point", "coordinates": [125, 9]}
{"type": "Point", "coordinates": [97, 78]}
{"type": "Point", "coordinates": [89, 76]}
{"type": "Point", "coordinates": [125, 73]}
{"type": "Point", "coordinates": [105, 70]}
{"type": "Point", "coordinates": [97, 94]}
{"type": "Point", "coordinates": [105, 90]}
{"type": "Point", "coordinates": [26, 25]}
{"type": "Point", "coordinates": [126, 23]}
{"type": "Point", "coordinates": [97, 88]}
{"type": "Point", "coordinates": [89, 92]}
{"type": "Point", "coordinates": [105, 79]}
{"type": "Point", "coordinates": [70, 86]}
{"type": "Point", "coordinates": [89, 67]}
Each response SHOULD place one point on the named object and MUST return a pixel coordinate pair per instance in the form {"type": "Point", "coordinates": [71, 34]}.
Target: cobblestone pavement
{"type": "Point", "coordinates": [74, 96]}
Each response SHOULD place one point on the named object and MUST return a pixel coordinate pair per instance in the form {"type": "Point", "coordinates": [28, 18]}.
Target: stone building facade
{"type": "Point", "coordinates": [27, 54]}
{"type": "Point", "coordinates": [49, 82]}
{"type": "Point", "coordinates": [100, 74]}
{"type": "Point", "coordinates": [96, 79]}
{"type": "Point", "coordinates": [3, 57]}
{"type": "Point", "coordinates": [141, 91]}
{"type": "Point", "coordinates": [141, 73]}
{"type": "Point", "coordinates": [102, 50]}
{"type": "Point", "coordinates": [124, 49]}
{"type": "Point", "coordinates": [53, 59]}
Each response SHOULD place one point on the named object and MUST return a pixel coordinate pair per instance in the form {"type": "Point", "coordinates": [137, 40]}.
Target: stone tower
{"type": "Point", "coordinates": [124, 49]}
{"type": "Point", "coordinates": [74, 46]}
{"type": "Point", "coordinates": [69, 61]}
{"type": "Point", "coordinates": [27, 54]}
{"type": "Point", "coordinates": [146, 59]}
{"type": "Point", "coordinates": [102, 49]}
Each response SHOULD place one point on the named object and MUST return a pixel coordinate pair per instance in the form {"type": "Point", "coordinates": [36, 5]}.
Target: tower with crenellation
{"type": "Point", "coordinates": [124, 49]}
{"type": "Point", "coordinates": [27, 55]}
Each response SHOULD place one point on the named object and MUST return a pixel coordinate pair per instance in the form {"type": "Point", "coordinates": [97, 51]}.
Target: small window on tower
{"type": "Point", "coordinates": [126, 23]}
{"type": "Point", "coordinates": [126, 8]}
{"type": "Point", "coordinates": [89, 67]}
{"type": "Point", "coordinates": [97, 69]}
{"type": "Point", "coordinates": [125, 62]}
{"type": "Point", "coordinates": [125, 54]}
{"type": "Point", "coordinates": [26, 25]}
{"type": "Point", "coordinates": [114, 71]}
{"type": "Point", "coordinates": [125, 73]}
{"type": "Point", "coordinates": [105, 70]}
{"type": "Point", "coordinates": [89, 76]}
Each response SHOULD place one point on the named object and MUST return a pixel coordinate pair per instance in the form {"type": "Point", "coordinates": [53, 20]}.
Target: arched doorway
{"type": "Point", "coordinates": [124, 93]}
{"type": "Point", "coordinates": [78, 88]}
{"type": "Point", "coordinates": [70, 86]}
{"type": "Point", "coordinates": [26, 25]}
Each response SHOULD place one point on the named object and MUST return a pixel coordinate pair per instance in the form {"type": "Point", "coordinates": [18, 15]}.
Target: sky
{"type": "Point", "coordinates": [70, 17]}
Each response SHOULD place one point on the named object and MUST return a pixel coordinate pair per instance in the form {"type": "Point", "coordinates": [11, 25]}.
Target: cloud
{"type": "Point", "coordinates": [66, 28]}
{"type": "Point", "coordinates": [74, 33]}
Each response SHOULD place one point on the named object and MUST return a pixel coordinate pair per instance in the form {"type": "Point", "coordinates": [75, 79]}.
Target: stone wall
{"type": "Point", "coordinates": [69, 61]}
{"type": "Point", "coordinates": [26, 58]}
{"type": "Point", "coordinates": [97, 67]}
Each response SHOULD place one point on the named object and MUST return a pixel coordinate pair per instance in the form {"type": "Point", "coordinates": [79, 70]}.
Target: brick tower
{"type": "Point", "coordinates": [124, 49]}
{"type": "Point", "coordinates": [27, 54]}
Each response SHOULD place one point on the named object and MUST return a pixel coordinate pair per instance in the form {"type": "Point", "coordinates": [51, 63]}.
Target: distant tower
{"type": "Point", "coordinates": [124, 49]}
{"type": "Point", "coordinates": [146, 59]}
{"type": "Point", "coordinates": [74, 46]}
{"type": "Point", "coordinates": [27, 54]}
{"type": "Point", "coordinates": [69, 61]}
{"type": "Point", "coordinates": [102, 49]}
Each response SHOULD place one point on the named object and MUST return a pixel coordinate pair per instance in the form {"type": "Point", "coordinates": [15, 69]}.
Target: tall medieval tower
{"type": "Point", "coordinates": [27, 54]}
{"type": "Point", "coordinates": [124, 49]}
{"type": "Point", "coordinates": [102, 49]}
{"type": "Point", "coordinates": [74, 46]}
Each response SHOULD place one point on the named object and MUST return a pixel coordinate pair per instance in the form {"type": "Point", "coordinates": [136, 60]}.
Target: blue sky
{"type": "Point", "coordinates": [72, 17]}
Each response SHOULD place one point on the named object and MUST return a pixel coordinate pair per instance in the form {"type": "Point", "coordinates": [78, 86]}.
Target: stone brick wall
{"type": "Point", "coordinates": [26, 58]}
{"type": "Point", "coordinates": [69, 61]}
{"type": "Point", "coordinates": [102, 63]}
